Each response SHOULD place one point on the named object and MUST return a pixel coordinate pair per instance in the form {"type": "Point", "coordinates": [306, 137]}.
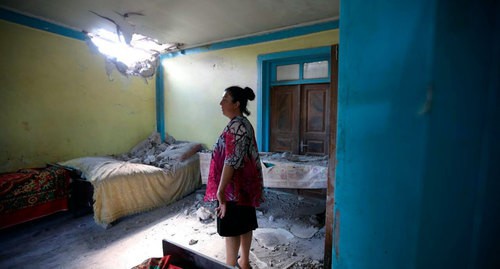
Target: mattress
{"type": "Point", "coordinates": [283, 173]}
{"type": "Point", "coordinates": [123, 188]}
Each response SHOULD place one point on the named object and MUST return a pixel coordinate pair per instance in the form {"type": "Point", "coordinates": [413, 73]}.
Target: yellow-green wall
{"type": "Point", "coordinates": [56, 101]}
{"type": "Point", "coordinates": [194, 84]}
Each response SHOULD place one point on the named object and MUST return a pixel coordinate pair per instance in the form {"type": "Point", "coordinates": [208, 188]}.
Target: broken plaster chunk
{"type": "Point", "coordinates": [272, 238]}
{"type": "Point", "coordinates": [303, 231]}
{"type": "Point", "coordinates": [151, 158]}
{"type": "Point", "coordinates": [203, 213]}
{"type": "Point", "coordinates": [170, 139]}
{"type": "Point", "coordinates": [135, 160]}
{"type": "Point", "coordinates": [314, 220]}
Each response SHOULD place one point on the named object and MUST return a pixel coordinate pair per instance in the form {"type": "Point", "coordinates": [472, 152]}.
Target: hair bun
{"type": "Point", "coordinates": [249, 93]}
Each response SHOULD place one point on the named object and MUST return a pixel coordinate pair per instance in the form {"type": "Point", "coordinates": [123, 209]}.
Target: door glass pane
{"type": "Point", "coordinates": [287, 72]}
{"type": "Point", "coordinates": [316, 70]}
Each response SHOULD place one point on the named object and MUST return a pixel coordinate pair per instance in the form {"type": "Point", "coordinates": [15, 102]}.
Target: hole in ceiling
{"type": "Point", "coordinates": [129, 53]}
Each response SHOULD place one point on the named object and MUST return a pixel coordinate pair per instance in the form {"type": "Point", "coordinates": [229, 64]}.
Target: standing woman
{"type": "Point", "coordinates": [235, 177]}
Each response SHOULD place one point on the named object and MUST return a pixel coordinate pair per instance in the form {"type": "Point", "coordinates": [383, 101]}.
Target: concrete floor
{"type": "Point", "coordinates": [290, 235]}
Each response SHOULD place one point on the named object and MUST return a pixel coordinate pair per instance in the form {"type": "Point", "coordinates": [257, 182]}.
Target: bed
{"type": "Point", "coordinates": [152, 174]}
{"type": "Point", "coordinates": [32, 193]}
{"type": "Point", "coordinates": [284, 170]}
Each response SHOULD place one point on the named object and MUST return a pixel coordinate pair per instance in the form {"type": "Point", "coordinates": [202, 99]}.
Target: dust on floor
{"type": "Point", "coordinates": [290, 235]}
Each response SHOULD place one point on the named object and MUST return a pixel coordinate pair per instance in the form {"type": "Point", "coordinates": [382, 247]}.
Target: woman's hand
{"type": "Point", "coordinates": [221, 209]}
{"type": "Point", "coordinates": [227, 174]}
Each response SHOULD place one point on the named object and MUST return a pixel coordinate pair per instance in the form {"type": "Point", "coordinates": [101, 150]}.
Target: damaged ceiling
{"type": "Point", "coordinates": [192, 23]}
{"type": "Point", "coordinates": [170, 24]}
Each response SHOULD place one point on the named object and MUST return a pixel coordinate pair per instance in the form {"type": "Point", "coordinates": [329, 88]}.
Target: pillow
{"type": "Point", "coordinates": [85, 164]}
{"type": "Point", "coordinates": [180, 152]}
{"type": "Point", "coordinates": [190, 150]}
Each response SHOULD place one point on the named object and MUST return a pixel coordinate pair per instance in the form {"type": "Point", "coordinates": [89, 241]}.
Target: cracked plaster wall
{"type": "Point", "coordinates": [57, 102]}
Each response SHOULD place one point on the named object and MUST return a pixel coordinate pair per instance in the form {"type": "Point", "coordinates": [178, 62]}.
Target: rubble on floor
{"type": "Point", "coordinates": [291, 230]}
{"type": "Point", "coordinates": [291, 235]}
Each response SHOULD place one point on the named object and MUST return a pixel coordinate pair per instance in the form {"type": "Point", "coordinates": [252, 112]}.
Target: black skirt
{"type": "Point", "coordinates": [237, 221]}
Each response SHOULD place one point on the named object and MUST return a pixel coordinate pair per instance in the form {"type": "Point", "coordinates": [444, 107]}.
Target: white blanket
{"type": "Point", "coordinates": [123, 188]}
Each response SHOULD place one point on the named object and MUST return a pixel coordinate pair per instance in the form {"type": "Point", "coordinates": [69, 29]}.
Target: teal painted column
{"type": "Point", "coordinates": [459, 224]}
{"type": "Point", "coordinates": [385, 73]}
{"type": "Point", "coordinates": [416, 181]}
{"type": "Point", "coordinates": [160, 102]}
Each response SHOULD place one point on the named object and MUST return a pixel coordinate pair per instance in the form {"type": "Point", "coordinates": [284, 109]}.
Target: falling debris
{"type": "Point", "coordinates": [124, 30]}
{"type": "Point", "coordinates": [125, 50]}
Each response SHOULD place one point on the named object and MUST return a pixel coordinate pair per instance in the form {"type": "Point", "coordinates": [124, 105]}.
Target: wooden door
{"type": "Point", "coordinates": [314, 119]}
{"type": "Point", "coordinates": [285, 115]}
{"type": "Point", "coordinates": [300, 119]}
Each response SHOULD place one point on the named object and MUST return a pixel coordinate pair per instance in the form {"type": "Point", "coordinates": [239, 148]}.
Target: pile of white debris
{"type": "Point", "coordinates": [165, 154]}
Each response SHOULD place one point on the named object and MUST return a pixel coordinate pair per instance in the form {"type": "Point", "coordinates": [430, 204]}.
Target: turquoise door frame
{"type": "Point", "coordinates": [266, 65]}
{"type": "Point", "coordinates": [160, 102]}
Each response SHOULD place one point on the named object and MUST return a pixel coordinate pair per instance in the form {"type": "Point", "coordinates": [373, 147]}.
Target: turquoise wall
{"type": "Point", "coordinates": [460, 209]}
{"type": "Point", "coordinates": [417, 122]}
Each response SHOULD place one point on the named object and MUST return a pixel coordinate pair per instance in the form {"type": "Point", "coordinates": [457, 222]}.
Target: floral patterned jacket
{"type": "Point", "coordinates": [237, 147]}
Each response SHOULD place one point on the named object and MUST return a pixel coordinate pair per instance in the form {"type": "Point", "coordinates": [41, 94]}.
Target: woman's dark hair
{"type": "Point", "coordinates": [241, 95]}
